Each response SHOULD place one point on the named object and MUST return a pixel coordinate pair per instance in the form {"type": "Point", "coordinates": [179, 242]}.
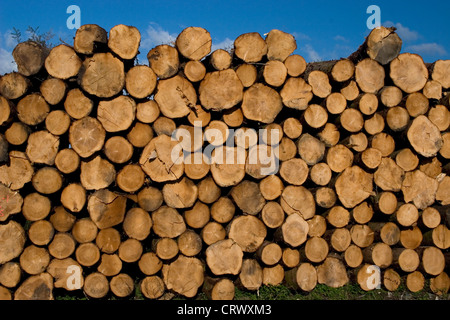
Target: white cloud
{"type": "Point", "coordinates": [7, 63]}
{"type": "Point", "coordinates": [154, 35]}
{"type": "Point", "coordinates": [312, 54]}
{"type": "Point", "coordinates": [300, 36]}
{"type": "Point", "coordinates": [224, 44]}
{"type": "Point", "coordinates": [340, 38]}
{"type": "Point", "coordinates": [10, 42]}
{"type": "Point", "coordinates": [403, 32]}
{"type": "Point", "coordinates": [427, 49]}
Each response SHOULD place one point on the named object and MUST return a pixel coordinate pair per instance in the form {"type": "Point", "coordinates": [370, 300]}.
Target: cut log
{"type": "Point", "coordinates": [233, 117]}
{"type": "Point", "coordinates": [274, 73]}
{"type": "Point", "coordinates": [18, 173]}
{"type": "Point", "coordinates": [149, 263]}
{"type": "Point", "coordinates": [218, 289]}
{"type": "Point", "coordinates": [57, 122]}
{"type": "Point", "coordinates": [383, 44]}
{"type": "Point", "coordinates": [261, 103]}
{"type": "Point", "coordinates": [332, 273]}
{"type": "Point", "coordinates": [338, 216]}
{"type": "Point", "coordinates": [175, 97]}
{"type": "Point", "coordinates": [408, 72]}
{"type": "Point", "coordinates": [369, 75]}
{"type": "Point", "coordinates": [86, 136]}
{"type": "Point", "coordinates": [62, 62]}
{"type": "Point", "coordinates": [352, 120]}
{"type": "Point", "coordinates": [84, 230]}
{"type": "Point", "coordinates": [29, 57]}
{"type": "Point", "coordinates": [250, 47]}
{"type": "Point", "coordinates": [248, 232]}
{"type": "Point", "coordinates": [220, 59]}
{"type": "Point", "coordinates": [273, 276]}
{"type": "Point", "coordinates": [47, 180]}
{"type": "Point", "coordinates": [296, 93]}
{"type": "Point", "coordinates": [150, 198]}
{"type": "Point", "coordinates": [12, 239]}
{"type": "Point", "coordinates": [147, 111]}
{"type": "Point", "coordinates": [292, 128]}
{"type": "Point", "coordinates": [11, 202]}
{"type": "Point", "coordinates": [67, 161]}
{"type": "Point", "coordinates": [184, 275]}
{"type": "Point", "coordinates": [122, 285]}
{"type": "Point", "coordinates": [407, 260]}
{"type": "Point", "coordinates": [391, 279]}
{"type": "Point", "coordinates": [343, 70]}
{"type": "Point", "coordinates": [167, 222]}
{"type": "Point", "coordinates": [164, 61]}
{"type": "Point", "coordinates": [32, 109]}
{"type": "Point", "coordinates": [424, 136]}
{"type": "Point", "coordinates": [250, 275]}
{"type": "Point", "coordinates": [67, 274]}
{"type": "Point", "coordinates": [294, 171]}
{"type": "Point", "coordinates": [290, 257]}
{"type": "Point", "coordinates": [213, 232]}
{"type": "Point", "coordinates": [62, 245]}
{"type": "Point", "coordinates": [310, 149]}
{"type": "Point", "coordinates": [106, 208]}
{"type": "Point", "coordinates": [97, 173]}
{"type": "Point", "coordinates": [315, 116]}
{"type": "Point", "coordinates": [224, 257]}
{"type": "Point", "coordinates": [351, 91]}
{"type": "Point", "coordinates": [353, 256]}
{"type": "Point", "coordinates": [77, 105]}
{"type": "Point", "coordinates": [87, 254]}
{"type": "Point", "coordinates": [316, 249]}
{"type": "Point", "coordinates": [140, 134]}
{"type": "Point", "coordinates": [379, 254]}
{"type": "Point", "coordinates": [88, 38]}
{"type": "Point", "coordinates": [130, 178]}
{"type": "Point", "coordinates": [96, 285]}
{"type": "Point", "coordinates": [353, 186]}
{"type": "Point", "coordinates": [41, 232]}
{"type": "Point", "coordinates": [223, 210]}
{"type": "Point", "coordinates": [228, 165]}
{"type": "Point", "coordinates": [362, 235]}
{"type": "Point", "coordinates": [415, 281]}
{"type": "Point", "coordinates": [294, 230]}
{"type": "Point", "coordinates": [140, 81]}
{"type": "Point", "coordinates": [180, 194]}
{"type": "Point", "coordinates": [17, 134]}
{"type": "Point", "coordinates": [271, 187]}
{"type": "Point", "coordinates": [298, 200]}
{"type": "Point", "coordinates": [137, 224]}
{"type": "Point", "coordinates": [440, 284]}
{"type": "Point", "coordinates": [36, 207]}
{"type": "Point", "coordinates": [117, 114]}
{"type": "Point", "coordinates": [110, 265]}
{"type": "Point", "coordinates": [325, 197]}
{"type": "Point", "coordinates": [36, 287]}
{"type": "Point", "coordinates": [320, 83]}
{"type": "Point", "coordinates": [189, 243]}
{"type": "Point", "coordinates": [306, 277]}
{"type": "Point", "coordinates": [440, 73]}
{"type": "Point", "coordinates": [336, 103]}
{"type": "Point", "coordinates": [440, 116]}
{"type": "Point", "coordinates": [152, 287]}
{"type": "Point", "coordinates": [368, 277]}
{"type": "Point", "coordinates": [10, 274]}
{"type": "Point", "coordinates": [340, 239]}
{"type": "Point", "coordinates": [130, 250]}
{"type": "Point", "coordinates": [279, 45]}
{"type": "Point", "coordinates": [329, 135]}
{"type": "Point", "coordinates": [102, 75]}
{"type": "Point", "coordinates": [295, 65]}
{"type": "Point", "coordinates": [272, 214]}
{"type": "Point", "coordinates": [390, 96]}
{"type": "Point", "coordinates": [411, 237]}
{"type": "Point", "coordinates": [124, 41]}
{"type": "Point", "coordinates": [198, 216]}
{"type": "Point", "coordinates": [416, 104]}
{"type": "Point", "coordinates": [317, 226]}
{"type": "Point", "coordinates": [42, 147]}
{"type": "Point", "coordinates": [269, 253]}
{"type": "Point", "coordinates": [14, 85]}
{"type": "Point", "coordinates": [194, 70]}
{"type": "Point", "coordinates": [62, 220]}
{"type": "Point", "coordinates": [216, 133]}
{"type": "Point", "coordinates": [194, 43]}
{"type": "Point", "coordinates": [419, 188]}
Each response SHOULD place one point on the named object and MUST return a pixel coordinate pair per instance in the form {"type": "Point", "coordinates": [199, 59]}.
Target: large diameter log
{"type": "Point", "coordinates": [248, 197]}
{"type": "Point", "coordinates": [102, 75]}
{"type": "Point", "coordinates": [175, 97]}
{"type": "Point", "coordinates": [440, 73]}
{"type": "Point", "coordinates": [424, 136]}
{"type": "Point", "coordinates": [185, 275]}
{"type": "Point", "coordinates": [250, 47]}
{"type": "Point", "coordinates": [167, 222]}
{"type": "Point", "coordinates": [106, 208]}
{"type": "Point", "coordinates": [42, 147]}
{"type": "Point", "coordinates": [13, 85]}
{"type": "Point", "coordinates": [32, 109]}
{"type": "Point", "coordinates": [296, 93]}
{"type": "Point", "coordinates": [408, 72]}
{"type": "Point", "coordinates": [117, 114]}
{"type": "Point", "coordinates": [140, 81]}
{"type": "Point", "coordinates": [419, 188]}
{"type": "Point", "coordinates": [12, 240]}
{"type": "Point", "coordinates": [180, 194]}
{"type": "Point", "coordinates": [228, 165]}
{"type": "Point", "coordinates": [298, 200]}
{"type": "Point", "coordinates": [261, 103]}
{"type": "Point", "coordinates": [36, 287]}
{"type": "Point", "coordinates": [86, 136]}
{"type": "Point", "coordinates": [29, 57]}
{"type": "Point", "coordinates": [220, 90]}
{"type": "Point", "coordinates": [332, 273]}
{"type": "Point", "coordinates": [194, 43]}
{"type": "Point", "coordinates": [97, 173]}
{"type": "Point", "coordinates": [353, 186]}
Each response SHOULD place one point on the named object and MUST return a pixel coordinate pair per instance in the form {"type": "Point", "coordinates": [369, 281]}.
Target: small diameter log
{"type": "Point", "coordinates": [325, 197]}
{"type": "Point", "coordinates": [294, 230]}
{"type": "Point", "coordinates": [340, 239]}
{"type": "Point", "coordinates": [195, 71]}
{"type": "Point", "coordinates": [353, 186]}
{"type": "Point", "coordinates": [77, 105]}
{"type": "Point", "coordinates": [369, 75]}
{"type": "Point", "coordinates": [67, 161]}
{"type": "Point", "coordinates": [407, 260]}
{"type": "Point", "coordinates": [251, 275]}
{"type": "Point", "coordinates": [362, 235]}
{"type": "Point", "coordinates": [62, 220]}
{"type": "Point", "coordinates": [42, 147]}
{"type": "Point", "coordinates": [175, 97]}
{"type": "Point", "coordinates": [57, 122]}
{"type": "Point", "coordinates": [189, 243]}
{"type": "Point", "coordinates": [73, 197]}
{"type": "Point", "coordinates": [185, 275]}
{"type": "Point", "coordinates": [13, 85]}
{"type": "Point", "coordinates": [294, 171]}
{"type": "Point", "coordinates": [247, 73]}
{"type": "Point", "coordinates": [87, 254]}
{"type": "Point", "coordinates": [329, 135]}
{"type": "Point", "coordinates": [167, 222]}
{"type": "Point", "coordinates": [273, 276]}
{"type": "Point", "coordinates": [292, 128]}
{"type": "Point", "coordinates": [150, 198]}
{"type": "Point", "coordinates": [440, 116]}
{"type": "Point", "coordinates": [250, 47]}
{"type": "Point", "coordinates": [88, 38]}
{"type": "Point", "coordinates": [165, 248]}
{"type": "Point", "coordinates": [227, 174]}
{"type": "Point", "coordinates": [36, 207]}
{"type": "Point", "coordinates": [353, 256]}
{"type": "Point", "coordinates": [164, 61]}
{"type": "Point", "coordinates": [352, 120]}
{"type": "Point", "coordinates": [47, 180]}
{"type": "Point", "coordinates": [279, 45]}
{"type": "Point", "coordinates": [316, 116]}
{"type": "Point", "coordinates": [411, 237]}
{"type": "Point", "coordinates": [310, 149]}
{"type": "Point", "coordinates": [290, 257]}
{"type": "Point", "coordinates": [67, 274]}
{"type": "Point", "coordinates": [424, 136]}
{"type": "Point", "coordinates": [53, 90]}
{"type": "Point", "coordinates": [84, 230]}
{"type": "Point", "coordinates": [117, 114]}
{"type": "Point", "coordinates": [218, 289]}
{"type": "Point", "coordinates": [97, 173]}
{"type": "Point", "coordinates": [180, 194]}
{"type": "Point", "coordinates": [390, 96]}
{"type": "Point", "coordinates": [295, 65]}
{"type": "Point", "coordinates": [18, 173]}
{"type": "Point", "coordinates": [391, 279]}
{"type": "Point", "coordinates": [147, 111]}
{"type": "Point", "coordinates": [233, 117]}
{"type": "Point", "coordinates": [296, 93]}
{"type": "Point", "coordinates": [10, 274]}
{"type": "Point", "coordinates": [124, 41]}
{"type": "Point", "coordinates": [408, 72]}
{"type": "Point", "coordinates": [130, 178]}
{"type": "Point", "coordinates": [274, 73]}
{"type": "Point", "coordinates": [86, 136]}
{"type": "Point", "coordinates": [406, 159]}
{"type": "Point", "coordinates": [110, 264]}
{"type": "Point", "coordinates": [306, 276]}
{"type": "Point", "coordinates": [379, 254]}
{"type": "Point", "coordinates": [320, 83]}
{"type": "Point", "coordinates": [194, 43]}
{"type": "Point", "coordinates": [416, 104]}
{"type": "Point", "coordinates": [419, 188]}
{"type": "Point", "coordinates": [152, 287]}
{"type": "Point", "coordinates": [343, 70]}
{"type": "Point", "coordinates": [430, 217]}
{"type": "Point", "coordinates": [29, 57]}
{"type": "Point", "coordinates": [272, 214]}
{"type": "Point", "coordinates": [130, 250]}
{"type": "Point", "coordinates": [223, 210]}
{"type": "Point", "coordinates": [140, 81]}
{"type": "Point", "coordinates": [336, 103]}
{"type": "Point", "coordinates": [351, 91]}
{"type": "Point", "coordinates": [338, 216]}
{"type": "Point", "coordinates": [440, 73]}
{"type": "Point", "coordinates": [118, 149]}
{"type": "Point", "coordinates": [316, 249]}
{"type": "Point", "coordinates": [440, 284]}
{"type": "Point", "coordinates": [299, 200]}
{"type": "Point", "coordinates": [320, 174]}
{"type": "Point", "coordinates": [432, 260]}
{"type": "Point", "coordinates": [248, 232]}
{"type": "Point", "coordinates": [269, 253]}
{"type": "Point", "coordinates": [220, 59]}
{"type": "Point", "coordinates": [213, 232]}
{"type": "Point", "coordinates": [11, 203]}
{"type": "Point", "coordinates": [317, 226]}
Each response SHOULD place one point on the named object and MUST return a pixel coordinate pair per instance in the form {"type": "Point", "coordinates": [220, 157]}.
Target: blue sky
{"type": "Point", "coordinates": [324, 30]}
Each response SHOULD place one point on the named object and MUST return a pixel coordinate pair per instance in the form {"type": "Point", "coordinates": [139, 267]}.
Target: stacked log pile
{"type": "Point", "coordinates": [93, 200]}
